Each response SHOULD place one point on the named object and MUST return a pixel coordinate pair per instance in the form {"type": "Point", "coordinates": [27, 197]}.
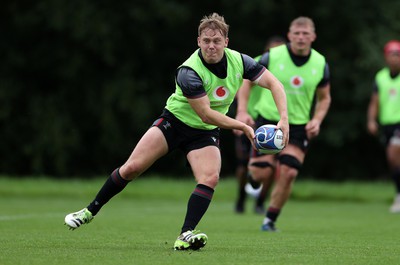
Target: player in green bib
{"type": "Point", "coordinates": [384, 110]}
{"type": "Point", "coordinates": [206, 84]}
{"type": "Point", "coordinates": [305, 75]}
{"type": "Point", "coordinates": [243, 148]}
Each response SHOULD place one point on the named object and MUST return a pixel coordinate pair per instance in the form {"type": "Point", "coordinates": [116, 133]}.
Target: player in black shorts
{"type": "Point", "coordinates": [384, 110]}
{"type": "Point", "coordinates": [305, 75]}
{"type": "Point", "coordinates": [243, 148]}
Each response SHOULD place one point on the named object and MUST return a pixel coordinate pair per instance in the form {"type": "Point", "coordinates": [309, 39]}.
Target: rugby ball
{"type": "Point", "coordinates": [269, 139]}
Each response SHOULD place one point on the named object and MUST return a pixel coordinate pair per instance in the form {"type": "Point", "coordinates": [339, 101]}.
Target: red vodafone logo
{"type": "Point", "coordinates": [221, 93]}
{"type": "Point", "coordinates": [296, 82]}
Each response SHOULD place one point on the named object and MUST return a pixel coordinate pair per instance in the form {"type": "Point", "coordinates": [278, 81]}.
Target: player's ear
{"type": "Point", "coordinates": [288, 36]}
{"type": "Point", "coordinates": [198, 41]}
{"type": "Point", "coordinates": [226, 42]}
{"type": "Point", "coordinates": [314, 37]}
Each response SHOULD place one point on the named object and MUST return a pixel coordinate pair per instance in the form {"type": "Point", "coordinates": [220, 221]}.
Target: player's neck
{"type": "Point", "coordinates": [394, 73]}
{"type": "Point", "coordinates": [303, 53]}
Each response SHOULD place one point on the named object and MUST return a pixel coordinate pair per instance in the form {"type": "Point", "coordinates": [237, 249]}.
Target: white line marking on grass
{"type": "Point", "coordinates": [29, 216]}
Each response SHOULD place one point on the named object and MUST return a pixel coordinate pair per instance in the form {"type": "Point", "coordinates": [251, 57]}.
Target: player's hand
{"type": "Point", "coordinates": [245, 118]}
{"type": "Point", "coordinates": [284, 126]}
{"type": "Point", "coordinates": [249, 132]}
{"type": "Point", "coordinates": [312, 128]}
{"type": "Point", "coordinates": [372, 127]}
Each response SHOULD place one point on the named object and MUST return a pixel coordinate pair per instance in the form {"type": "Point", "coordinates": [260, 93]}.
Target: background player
{"type": "Point", "coordinates": [243, 149]}
{"type": "Point", "coordinates": [384, 107]}
{"type": "Point", "coordinates": [305, 75]}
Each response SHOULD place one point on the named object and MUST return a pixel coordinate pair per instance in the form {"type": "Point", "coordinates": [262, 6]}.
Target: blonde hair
{"type": "Point", "coordinates": [303, 21]}
{"type": "Point", "coordinates": [214, 22]}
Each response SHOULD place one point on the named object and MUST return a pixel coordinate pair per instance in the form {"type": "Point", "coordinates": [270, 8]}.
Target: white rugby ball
{"type": "Point", "coordinates": [269, 139]}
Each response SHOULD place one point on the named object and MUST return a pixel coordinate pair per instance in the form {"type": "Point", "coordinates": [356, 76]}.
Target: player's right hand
{"type": "Point", "coordinates": [372, 127]}
{"type": "Point", "coordinates": [249, 132]}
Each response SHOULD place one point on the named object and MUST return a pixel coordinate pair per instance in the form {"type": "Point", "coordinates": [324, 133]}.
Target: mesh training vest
{"type": "Point", "coordinates": [221, 92]}
{"type": "Point", "coordinates": [254, 96]}
{"type": "Point", "coordinates": [300, 83]}
{"type": "Point", "coordinates": [389, 97]}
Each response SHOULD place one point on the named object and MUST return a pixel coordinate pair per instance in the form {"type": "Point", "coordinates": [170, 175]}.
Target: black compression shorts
{"type": "Point", "coordinates": [243, 148]}
{"type": "Point", "coordinates": [391, 134]}
{"type": "Point", "coordinates": [181, 136]}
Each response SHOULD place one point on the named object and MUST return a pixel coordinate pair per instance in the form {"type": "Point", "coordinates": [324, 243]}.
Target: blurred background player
{"type": "Point", "coordinates": [304, 73]}
{"type": "Point", "coordinates": [243, 148]}
{"type": "Point", "coordinates": [384, 110]}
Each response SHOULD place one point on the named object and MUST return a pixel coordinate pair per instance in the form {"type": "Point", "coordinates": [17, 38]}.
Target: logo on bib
{"type": "Point", "coordinates": [221, 93]}
{"type": "Point", "coordinates": [296, 81]}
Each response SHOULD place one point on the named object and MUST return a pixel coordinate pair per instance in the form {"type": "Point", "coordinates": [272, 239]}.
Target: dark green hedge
{"type": "Point", "coordinates": [80, 81]}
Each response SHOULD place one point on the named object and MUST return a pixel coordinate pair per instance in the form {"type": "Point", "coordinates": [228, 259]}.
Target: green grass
{"type": "Point", "coordinates": [323, 223]}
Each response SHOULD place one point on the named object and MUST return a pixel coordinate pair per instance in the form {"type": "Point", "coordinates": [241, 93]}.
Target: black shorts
{"type": "Point", "coordinates": [243, 148]}
{"type": "Point", "coordinates": [391, 134]}
{"type": "Point", "coordinates": [181, 136]}
{"type": "Point", "coordinates": [297, 134]}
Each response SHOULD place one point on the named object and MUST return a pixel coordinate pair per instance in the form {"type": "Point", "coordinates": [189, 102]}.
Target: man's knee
{"type": "Point", "coordinates": [130, 170]}
{"type": "Point", "coordinates": [290, 161]}
{"type": "Point", "coordinates": [289, 173]}
{"type": "Point", "coordinates": [208, 177]}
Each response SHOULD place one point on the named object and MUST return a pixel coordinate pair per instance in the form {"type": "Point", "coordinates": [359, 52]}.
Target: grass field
{"type": "Point", "coordinates": [323, 223]}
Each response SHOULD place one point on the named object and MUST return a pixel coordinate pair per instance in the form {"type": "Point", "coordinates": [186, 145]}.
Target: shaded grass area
{"type": "Point", "coordinates": [323, 223]}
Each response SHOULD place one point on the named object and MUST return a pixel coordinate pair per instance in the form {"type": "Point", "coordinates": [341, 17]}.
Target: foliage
{"type": "Point", "coordinates": [80, 81]}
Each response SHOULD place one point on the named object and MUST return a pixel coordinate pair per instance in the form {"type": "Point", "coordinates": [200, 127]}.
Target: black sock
{"type": "Point", "coordinates": [396, 179]}
{"type": "Point", "coordinates": [197, 206]}
{"type": "Point", "coordinates": [242, 195]}
{"type": "Point", "coordinates": [260, 201]}
{"type": "Point", "coordinates": [273, 213]}
{"type": "Point", "coordinates": [113, 185]}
